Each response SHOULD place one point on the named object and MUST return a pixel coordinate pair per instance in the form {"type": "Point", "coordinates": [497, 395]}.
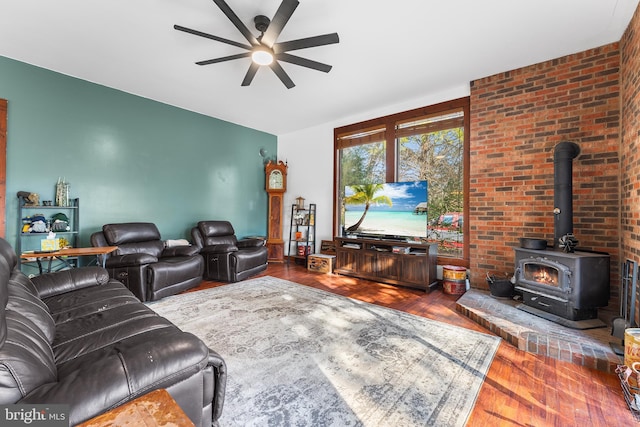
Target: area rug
{"type": "Point", "coordinates": [299, 356]}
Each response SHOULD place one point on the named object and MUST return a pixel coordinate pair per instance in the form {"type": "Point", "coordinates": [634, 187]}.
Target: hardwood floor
{"type": "Point", "coordinates": [521, 389]}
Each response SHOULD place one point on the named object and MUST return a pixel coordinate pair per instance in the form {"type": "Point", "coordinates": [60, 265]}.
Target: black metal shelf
{"type": "Point", "coordinates": [305, 225]}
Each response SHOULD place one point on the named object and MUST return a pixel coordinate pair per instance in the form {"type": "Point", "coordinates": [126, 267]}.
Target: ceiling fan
{"type": "Point", "coordinates": [264, 49]}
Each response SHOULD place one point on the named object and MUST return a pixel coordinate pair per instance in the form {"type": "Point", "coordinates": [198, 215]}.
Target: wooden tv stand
{"type": "Point", "coordinates": [385, 261]}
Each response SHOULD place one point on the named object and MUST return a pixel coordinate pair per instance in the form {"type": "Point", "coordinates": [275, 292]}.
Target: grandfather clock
{"type": "Point", "coordinates": [276, 185]}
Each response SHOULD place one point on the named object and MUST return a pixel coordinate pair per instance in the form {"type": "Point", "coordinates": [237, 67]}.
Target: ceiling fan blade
{"type": "Point", "coordinates": [306, 43]}
{"type": "Point", "coordinates": [282, 75]}
{"type": "Point", "coordinates": [224, 58]}
{"type": "Point", "coordinates": [212, 37]}
{"type": "Point", "coordinates": [279, 20]}
{"type": "Point", "coordinates": [303, 62]}
{"type": "Point", "coordinates": [224, 7]}
{"type": "Point", "coordinates": [251, 72]}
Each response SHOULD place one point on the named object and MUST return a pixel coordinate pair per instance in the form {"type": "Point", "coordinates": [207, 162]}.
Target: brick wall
{"type": "Point", "coordinates": [517, 117]}
{"type": "Point", "coordinates": [630, 134]}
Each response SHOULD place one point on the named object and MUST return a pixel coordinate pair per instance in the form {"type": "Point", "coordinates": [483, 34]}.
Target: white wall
{"type": "Point", "coordinates": [309, 153]}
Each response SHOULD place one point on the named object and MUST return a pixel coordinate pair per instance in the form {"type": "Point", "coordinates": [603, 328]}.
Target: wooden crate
{"type": "Point", "coordinates": [321, 263]}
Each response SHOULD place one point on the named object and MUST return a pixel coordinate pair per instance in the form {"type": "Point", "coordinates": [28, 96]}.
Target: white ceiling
{"type": "Point", "coordinates": [389, 51]}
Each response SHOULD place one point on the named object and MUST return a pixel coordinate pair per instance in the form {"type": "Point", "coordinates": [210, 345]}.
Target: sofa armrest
{"type": "Point", "coordinates": [198, 240]}
{"type": "Point", "coordinates": [179, 251]}
{"type": "Point", "coordinates": [106, 378]}
{"type": "Point", "coordinates": [250, 243]}
{"type": "Point", "coordinates": [219, 249]}
{"type": "Point", "coordinates": [220, 382]}
{"type": "Point", "coordinates": [69, 280]}
{"type": "Point", "coordinates": [130, 260]}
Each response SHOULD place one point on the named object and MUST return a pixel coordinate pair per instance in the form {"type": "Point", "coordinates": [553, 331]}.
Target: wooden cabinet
{"type": "Point", "coordinates": [346, 261]}
{"type": "Point", "coordinates": [396, 263]}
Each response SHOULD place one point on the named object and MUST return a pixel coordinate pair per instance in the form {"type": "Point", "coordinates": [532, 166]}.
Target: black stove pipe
{"type": "Point", "coordinates": [564, 153]}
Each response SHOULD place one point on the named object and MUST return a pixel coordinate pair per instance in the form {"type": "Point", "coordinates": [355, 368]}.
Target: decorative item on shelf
{"type": "Point", "coordinates": [67, 194]}
{"type": "Point", "coordinates": [30, 199]}
{"type": "Point", "coordinates": [300, 203]}
{"type": "Point", "coordinates": [299, 218]}
{"type": "Point", "coordinates": [35, 223]}
{"type": "Point", "coordinates": [60, 222]}
{"type": "Point", "coordinates": [304, 249]}
{"type": "Point", "coordinates": [298, 235]}
{"type": "Point", "coordinates": [62, 192]}
{"type": "Point", "coordinates": [64, 243]}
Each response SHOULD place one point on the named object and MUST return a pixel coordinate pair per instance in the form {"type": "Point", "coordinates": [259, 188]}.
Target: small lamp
{"type": "Point", "coordinates": [300, 202]}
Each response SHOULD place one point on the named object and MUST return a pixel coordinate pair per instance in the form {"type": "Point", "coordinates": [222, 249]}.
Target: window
{"type": "Point", "coordinates": [362, 157]}
{"type": "Point", "coordinates": [426, 144]}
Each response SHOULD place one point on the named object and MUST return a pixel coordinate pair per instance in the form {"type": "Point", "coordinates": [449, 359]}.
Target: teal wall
{"type": "Point", "coordinates": [128, 158]}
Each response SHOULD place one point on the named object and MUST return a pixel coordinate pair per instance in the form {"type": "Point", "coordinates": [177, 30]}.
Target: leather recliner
{"type": "Point", "coordinates": [142, 262]}
{"type": "Point", "coordinates": [226, 258]}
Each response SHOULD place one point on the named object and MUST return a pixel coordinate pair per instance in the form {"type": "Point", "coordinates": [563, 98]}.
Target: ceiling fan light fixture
{"type": "Point", "coordinates": [265, 49]}
{"type": "Point", "coordinates": [262, 56]}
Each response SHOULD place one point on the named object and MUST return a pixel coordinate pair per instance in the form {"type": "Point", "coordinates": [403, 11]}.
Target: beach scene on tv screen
{"type": "Point", "coordinates": [396, 209]}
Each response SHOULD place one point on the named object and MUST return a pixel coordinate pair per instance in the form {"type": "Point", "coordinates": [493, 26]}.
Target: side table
{"type": "Point", "coordinates": [154, 409]}
{"type": "Point", "coordinates": [100, 252]}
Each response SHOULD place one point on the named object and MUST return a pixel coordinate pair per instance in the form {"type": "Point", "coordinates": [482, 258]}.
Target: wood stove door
{"type": "Point", "coordinates": [545, 275]}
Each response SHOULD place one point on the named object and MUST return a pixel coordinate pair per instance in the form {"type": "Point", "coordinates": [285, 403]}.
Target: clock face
{"type": "Point", "coordinates": [275, 180]}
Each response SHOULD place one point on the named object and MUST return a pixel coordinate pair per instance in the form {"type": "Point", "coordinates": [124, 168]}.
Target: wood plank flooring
{"type": "Point", "coordinates": [521, 389]}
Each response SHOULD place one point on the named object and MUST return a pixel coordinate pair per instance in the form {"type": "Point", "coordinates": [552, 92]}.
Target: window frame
{"type": "Point", "coordinates": [389, 123]}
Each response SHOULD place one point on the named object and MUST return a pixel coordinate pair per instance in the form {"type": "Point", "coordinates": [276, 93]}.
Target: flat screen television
{"type": "Point", "coordinates": [397, 210]}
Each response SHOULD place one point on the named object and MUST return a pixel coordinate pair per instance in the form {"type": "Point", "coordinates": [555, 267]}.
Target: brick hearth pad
{"type": "Point", "coordinates": [590, 347]}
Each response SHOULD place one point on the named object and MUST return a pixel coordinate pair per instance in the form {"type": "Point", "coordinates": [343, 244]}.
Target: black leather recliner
{"type": "Point", "coordinates": [142, 262]}
{"type": "Point", "coordinates": [226, 258]}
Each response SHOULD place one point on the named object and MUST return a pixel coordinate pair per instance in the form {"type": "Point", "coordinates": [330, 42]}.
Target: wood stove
{"type": "Point", "coordinates": [570, 285]}
{"type": "Point", "coordinates": [563, 281]}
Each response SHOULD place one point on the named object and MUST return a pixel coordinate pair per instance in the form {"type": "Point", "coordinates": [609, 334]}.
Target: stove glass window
{"type": "Point", "coordinates": [542, 274]}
